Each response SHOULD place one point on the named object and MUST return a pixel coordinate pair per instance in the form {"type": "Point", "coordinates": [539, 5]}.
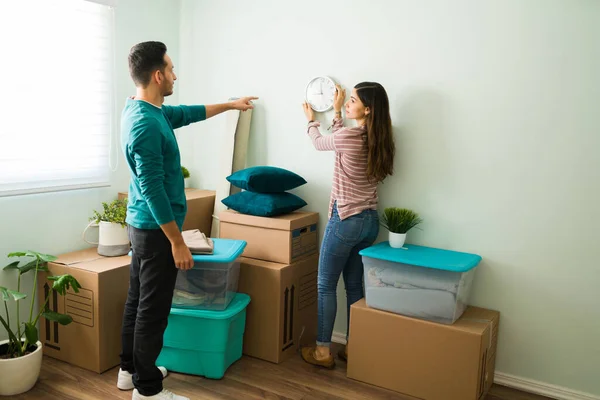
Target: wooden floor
{"type": "Point", "coordinates": [249, 378]}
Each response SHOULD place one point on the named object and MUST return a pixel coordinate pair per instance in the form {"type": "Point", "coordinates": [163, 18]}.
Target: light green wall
{"type": "Point", "coordinates": [53, 222]}
{"type": "Point", "coordinates": [495, 109]}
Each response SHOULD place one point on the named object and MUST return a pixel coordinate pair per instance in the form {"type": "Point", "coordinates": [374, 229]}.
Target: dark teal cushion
{"type": "Point", "coordinates": [264, 204]}
{"type": "Point", "coordinates": [266, 179]}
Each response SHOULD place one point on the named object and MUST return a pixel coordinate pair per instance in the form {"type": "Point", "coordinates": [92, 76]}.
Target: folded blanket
{"type": "Point", "coordinates": [436, 305]}
{"type": "Point", "coordinates": [197, 242]}
{"type": "Point", "coordinates": [408, 276]}
{"type": "Point", "coordinates": [183, 298]}
{"type": "Point", "coordinates": [375, 276]}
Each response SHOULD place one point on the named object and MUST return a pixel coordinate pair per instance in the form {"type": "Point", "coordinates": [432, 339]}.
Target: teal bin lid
{"type": "Point", "coordinates": [422, 256]}
{"type": "Point", "coordinates": [224, 251]}
{"type": "Point", "coordinates": [239, 302]}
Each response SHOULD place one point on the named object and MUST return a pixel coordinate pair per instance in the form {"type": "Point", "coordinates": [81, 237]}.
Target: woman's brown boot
{"type": "Point", "coordinates": [308, 355]}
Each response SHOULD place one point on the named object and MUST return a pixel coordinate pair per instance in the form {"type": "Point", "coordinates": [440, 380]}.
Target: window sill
{"type": "Point", "coordinates": [22, 192]}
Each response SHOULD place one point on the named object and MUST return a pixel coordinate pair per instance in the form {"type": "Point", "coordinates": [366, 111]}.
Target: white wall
{"type": "Point", "coordinates": [53, 222]}
{"type": "Point", "coordinates": [140, 21]}
{"type": "Point", "coordinates": [495, 109]}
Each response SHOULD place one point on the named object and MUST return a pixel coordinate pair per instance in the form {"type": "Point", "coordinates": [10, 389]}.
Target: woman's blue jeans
{"type": "Point", "coordinates": [339, 255]}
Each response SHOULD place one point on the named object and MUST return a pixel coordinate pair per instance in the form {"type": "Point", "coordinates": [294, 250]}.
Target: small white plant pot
{"type": "Point", "coordinates": [186, 182]}
{"type": "Point", "coordinates": [113, 239]}
{"type": "Point", "coordinates": [397, 240]}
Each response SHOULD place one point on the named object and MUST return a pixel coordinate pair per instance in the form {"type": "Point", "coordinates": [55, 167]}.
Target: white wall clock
{"type": "Point", "coordinates": [320, 92]}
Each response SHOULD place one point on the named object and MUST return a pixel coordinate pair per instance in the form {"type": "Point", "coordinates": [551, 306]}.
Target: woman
{"type": "Point", "coordinates": [364, 156]}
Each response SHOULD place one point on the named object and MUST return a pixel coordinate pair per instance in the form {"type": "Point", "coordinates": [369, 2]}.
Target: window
{"type": "Point", "coordinates": [57, 110]}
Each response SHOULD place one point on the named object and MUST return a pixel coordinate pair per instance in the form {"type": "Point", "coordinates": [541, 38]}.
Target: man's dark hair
{"type": "Point", "coordinates": [144, 59]}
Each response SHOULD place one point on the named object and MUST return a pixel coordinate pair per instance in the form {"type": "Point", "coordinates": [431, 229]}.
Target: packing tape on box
{"type": "Point", "coordinates": [483, 321]}
{"type": "Point", "coordinates": [299, 340]}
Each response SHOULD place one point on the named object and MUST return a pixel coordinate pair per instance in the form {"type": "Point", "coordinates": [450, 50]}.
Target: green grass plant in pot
{"type": "Point", "coordinates": [186, 174]}
{"type": "Point", "coordinates": [113, 240]}
{"type": "Point", "coordinates": [398, 221]}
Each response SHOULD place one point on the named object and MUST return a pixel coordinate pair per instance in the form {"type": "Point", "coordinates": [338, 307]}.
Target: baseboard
{"type": "Point", "coordinates": [515, 382]}
{"type": "Point", "coordinates": [541, 388]}
{"type": "Point", "coordinates": [338, 337]}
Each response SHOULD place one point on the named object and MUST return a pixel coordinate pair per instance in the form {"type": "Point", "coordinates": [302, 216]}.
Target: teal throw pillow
{"type": "Point", "coordinates": [264, 204]}
{"type": "Point", "coordinates": [266, 179]}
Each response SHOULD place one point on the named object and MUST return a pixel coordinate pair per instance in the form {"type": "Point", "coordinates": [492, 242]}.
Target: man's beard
{"type": "Point", "coordinates": [168, 92]}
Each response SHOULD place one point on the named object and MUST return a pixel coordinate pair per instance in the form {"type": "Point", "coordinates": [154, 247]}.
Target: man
{"type": "Point", "coordinates": [155, 213]}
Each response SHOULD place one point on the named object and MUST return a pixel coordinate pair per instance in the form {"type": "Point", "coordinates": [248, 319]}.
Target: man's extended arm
{"type": "Point", "coordinates": [184, 115]}
{"type": "Point", "coordinates": [242, 104]}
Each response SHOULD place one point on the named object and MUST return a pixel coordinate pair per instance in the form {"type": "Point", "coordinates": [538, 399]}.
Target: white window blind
{"type": "Point", "coordinates": [57, 111]}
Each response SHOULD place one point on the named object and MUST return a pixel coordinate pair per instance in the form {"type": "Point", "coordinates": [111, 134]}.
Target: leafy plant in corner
{"type": "Point", "coordinates": [24, 336]}
{"type": "Point", "coordinates": [185, 172]}
{"type": "Point", "coordinates": [400, 220]}
{"type": "Point", "coordinates": [116, 212]}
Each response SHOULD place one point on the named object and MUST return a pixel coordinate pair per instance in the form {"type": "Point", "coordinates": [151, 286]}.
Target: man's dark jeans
{"type": "Point", "coordinates": [151, 283]}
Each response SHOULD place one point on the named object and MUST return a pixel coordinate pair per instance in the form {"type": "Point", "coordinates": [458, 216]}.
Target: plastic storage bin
{"type": "Point", "coordinates": [420, 282]}
{"type": "Point", "coordinates": [203, 342]}
{"type": "Point", "coordinates": [213, 281]}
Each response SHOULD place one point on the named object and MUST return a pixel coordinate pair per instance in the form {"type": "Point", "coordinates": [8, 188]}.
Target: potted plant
{"type": "Point", "coordinates": [21, 354]}
{"type": "Point", "coordinates": [398, 222]}
{"type": "Point", "coordinates": [186, 175]}
{"type": "Point", "coordinates": [112, 239]}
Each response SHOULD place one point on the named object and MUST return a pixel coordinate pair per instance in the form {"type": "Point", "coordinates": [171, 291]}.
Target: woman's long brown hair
{"type": "Point", "coordinates": [380, 139]}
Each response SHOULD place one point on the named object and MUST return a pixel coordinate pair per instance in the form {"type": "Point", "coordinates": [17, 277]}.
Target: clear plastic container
{"type": "Point", "coordinates": [418, 281]}
{"type": "Point", "coordinates": [213, 281]}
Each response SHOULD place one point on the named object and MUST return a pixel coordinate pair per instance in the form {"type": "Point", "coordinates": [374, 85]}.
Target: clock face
{"type": "Point", "coordinates": [319, 93]}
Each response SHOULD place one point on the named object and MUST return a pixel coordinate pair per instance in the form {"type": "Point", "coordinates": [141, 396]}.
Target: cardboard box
{"type": "Point", "coordinates": [282, 239]}
{"type": "Point", "coordinates": [93, 340]}
{"type": "Point", "coordinates": [282, 314]}
{"type": "Point", "coordinates": [424, 359]}
{"type": "Point", "coordinates": [200, 204]}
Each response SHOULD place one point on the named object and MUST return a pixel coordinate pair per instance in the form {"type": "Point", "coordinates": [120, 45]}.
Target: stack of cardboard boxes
{"type": "Point", "coordinates": [93, 340]}
{"type": "Point", "coordinates": [279, 272]}
{"type": "Point", "coordinates": [414, 332]}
